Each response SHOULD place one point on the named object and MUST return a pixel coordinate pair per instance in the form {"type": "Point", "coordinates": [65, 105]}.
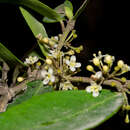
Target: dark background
{"type": "Point", "coordinates": [104, 25]}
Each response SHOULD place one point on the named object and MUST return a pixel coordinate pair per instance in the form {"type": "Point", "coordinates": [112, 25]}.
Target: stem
{"type": "Point", "coordinates": [11, 92]}
{"type": "Point", "coordinates": [69, 27]}
{"type": "Point", "coordinates": [62, 26]}
{"type": "Point", "coordinates": [109, 82]}
{"type": "Point", "coordinates": [125, 99]}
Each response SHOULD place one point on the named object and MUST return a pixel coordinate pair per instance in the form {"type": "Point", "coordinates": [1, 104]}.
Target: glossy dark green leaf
{"type": "Point", "coordinates": [9, 57]}
{"type": "Point", "coordinates": [59, 9]}
{"type": "Point", "coordinates": [35, 26]}
{"type": "Point", "coordinates": [37, 6]}
{"type": "Point", "coordinates": [62, 110]}
{"type": "Point", "coordinates": [33, 88]}
{"type": "Point", "coordinates": [80, 10]}
{"type": "Point", "coordinates": [68, 9]}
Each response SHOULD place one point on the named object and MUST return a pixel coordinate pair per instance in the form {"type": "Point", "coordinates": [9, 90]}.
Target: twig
{"type": "Point", "coordinates": [9, 93]}
{"type": "Point", "coordinates": [109, 82]}
{"type": "Point", "coordinates": [62, 26]}
{"type": "Point", "coordinates": [69, 27]}
{"type": "Point", "coordinates": [5, 70]}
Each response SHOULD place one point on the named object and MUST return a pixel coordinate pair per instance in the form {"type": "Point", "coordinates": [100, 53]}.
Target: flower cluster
{"type": "Point", "coordinates": [59, 64]}
{"type": "Point", "coordinates": [105, 62]}
{"type": "Point", "coordinates": [105, 65]}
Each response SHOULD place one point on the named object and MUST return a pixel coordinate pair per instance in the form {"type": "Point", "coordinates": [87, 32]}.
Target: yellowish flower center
{"type": "Point", "coordinates": [72, 64]}
{"type": "Point", "coordinates": [49, 75]}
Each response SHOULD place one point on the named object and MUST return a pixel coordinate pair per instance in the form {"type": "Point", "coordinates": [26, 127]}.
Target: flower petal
{"type": "Point", "coordinates": [73, 58]}
{"type": "Point", "coordinates": [98, 75]}
{"type": "Point", "coordinates": [50, 71]}
{"type": "Point", "coordinates": [78, 65]}
{"type": "Point", "coordinates": [52, 78]}
{"type": "Point", "coordinates": [67, 62]}
{"type": "Point", "coordinates": [43, 73]}
{"type": "Point", "coordinates": [95, 94]}
{"type": "Point", "coordinates": [46, 81]}
{"type": "Point", "coordinates": [100, 88]}
{"type": "Point", "coordinates": [72, 68]}
{"type": "Point", "coordinates": [88, 89]}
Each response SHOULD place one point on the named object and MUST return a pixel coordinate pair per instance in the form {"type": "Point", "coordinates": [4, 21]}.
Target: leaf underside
{"type": "Point", "coordinates": [35, 26]}
{"type": "Point", "coordinates": [9, 57]}
{"type": "Point", "coordinates": [62, 110]}
{"type": "Point", "coordinates": [37, 6]}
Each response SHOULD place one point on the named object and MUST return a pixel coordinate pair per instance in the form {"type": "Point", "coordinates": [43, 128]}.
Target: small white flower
{"type": "Point", "coordinates": [109, 59]}
{"type": "Point", "coordinates": [98, 75]}
{"type": "Point", "coordinates": [48, 76]}
{"type": "Point", "coordinates": [125, 68]}
{"type": "Point", "coordinates": [72, 63]}
{"type": "Point", "coordinates": [53, 53]}
{"type": "Point", "coordinates": [31, 60]}
{"type": "Point", "coordinates": [94, 88]}
{"type": "Point", "coordinates": [66, 86]}
{"type": "Point", "coordinates": [56, 38]}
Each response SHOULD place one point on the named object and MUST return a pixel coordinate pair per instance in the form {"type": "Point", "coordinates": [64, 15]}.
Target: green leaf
{"type": "Point", "coordinates": [59, 9]}
{"type": "Point", "coordinates": [37, 6]}
{"type": "Point", "coordinates": [9, 57]}
{"type": "Point", "coordinates": [68, 9]}
{"type": "Point", "coordinates": [34, 88]}
{"type": "Point", "coordinates": [62, 110]}
{"type": "Point", "coordinates": [36, 27]}
{"type": "Point", "coordinates": [81, 9]}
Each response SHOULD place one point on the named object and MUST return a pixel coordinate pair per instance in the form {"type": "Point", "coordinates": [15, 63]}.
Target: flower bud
{"type": "Point", "coordinates": [99, 53]}
{"type": "Point", "coordinates": [116, 68]}
{"type": "Point", "coordinates": [45, 40]}
{"type": "Point", "coordinates": [52, 43]}
{"type": "Point", "coordinates": [127, 119]}
{"type": "Point", "coordinates": [96, 61]}
{"type": "Point", "coordinates": [20, 79]}
{"type": "Point", "coordinates": [120, 63]}
{"type": "Point", "coordinates": [39, 36]}
{"type": "Point", "coordinates": [77, 50]}
{"type": "Point", "coordinates": [123, 79]}
{"type": "Point", "coordinates": [48, 61]}
{"type": "Point", "coordinates": [105, 68]}
{"type": "Point", "coordinates": [108, 59]}
{"type": "Point", "coordinates": [39, 63]}
{"type": "Point", "coordinates": [71, 52]}
{"type": "Point", "coordinates": [46, 67]}
{"type": "Point", "coordinates": [90, 68]}
{"type": "Point", "coordinates": [81, 48]}
{"type": "Point", "coordinates": [75, 35]}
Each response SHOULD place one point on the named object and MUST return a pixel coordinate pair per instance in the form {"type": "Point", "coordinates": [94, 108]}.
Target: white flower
{"type": "Point", "coordinates": [125, 68]}
{"type": "Point", "coordinates": [72, 63]}
{"type": "Point", "coordinates": [53, 53]}
{"type": "Point", "coordinates": [56, 38]}
{"type": "Point", "coordinates": [48, 76]}
{"type": "Point", "coordinates": [98, 75]}
{"type": "Point", "coordinates": [94, 88]}
{"type": "Point", "coordinates": [66, 86]}
{"type": "Point", "coordinates": [109, 59]}
{"type": "Point", "coordinates": [31, 60]}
